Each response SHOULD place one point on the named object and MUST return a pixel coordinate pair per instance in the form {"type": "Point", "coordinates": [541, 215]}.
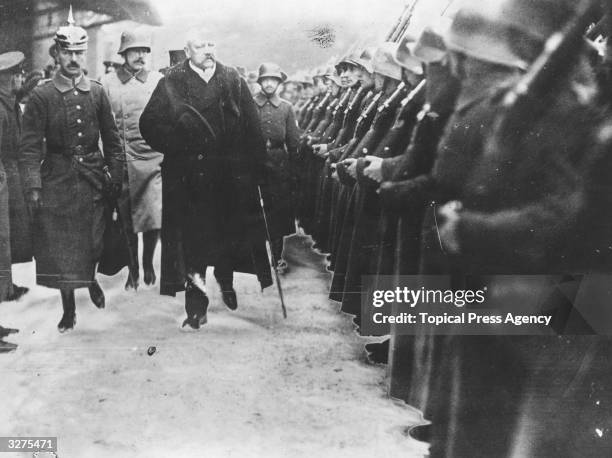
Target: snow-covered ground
{"type": "Point", "coordinates": [248, 384]}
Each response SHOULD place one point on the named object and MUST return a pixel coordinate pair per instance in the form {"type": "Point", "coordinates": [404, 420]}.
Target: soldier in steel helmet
{"type": "Point", "coordinates": [129, 89]}
{"type": "Point", "coordinates": [281, 134]}
{"type": "Point", "coordinates": [67, 191]}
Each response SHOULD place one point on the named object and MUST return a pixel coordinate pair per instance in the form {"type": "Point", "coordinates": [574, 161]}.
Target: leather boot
{"type": "Point", "coordinates": [97, 295]}
{"type": "Point", "coordinates": [196, 304]}
{"type": "Point", "coordinates": [68, 320]}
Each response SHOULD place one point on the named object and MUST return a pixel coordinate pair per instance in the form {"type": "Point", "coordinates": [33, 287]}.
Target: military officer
{"type": "Point", "coordinates": [281, 133]}
{"type": "Point", "coordinates": [67, 191]}
{"type": "Point", "coordinates": [129, 89]}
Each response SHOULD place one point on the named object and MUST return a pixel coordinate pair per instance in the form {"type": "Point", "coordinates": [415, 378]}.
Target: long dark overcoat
{"type": "Point", "coordinates": [214, 158]}
{"type": "Point", "coordinates": [69, 228]}
{"type": "Point", "coordinates": [21, 234]}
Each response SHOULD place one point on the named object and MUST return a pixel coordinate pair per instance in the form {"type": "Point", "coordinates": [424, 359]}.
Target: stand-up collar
{"type": "Point", "coordinates": [261, 99]}
{"type": "Point", "coordinates": [125, 75]}
{"type": "Point", "coordinates": [207, 74]}
{"type": "Point", "coordinates": [64, 84]}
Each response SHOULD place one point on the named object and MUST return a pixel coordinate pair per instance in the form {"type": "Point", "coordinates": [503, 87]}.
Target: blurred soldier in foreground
{"type": "Point", "coordinates": [203, 118]}
{"type": "Point", "coordinates": [281, 134]}
{"type": "Point", "coordinates": [129, 89]}
{"type": "Point", "coordinates": [67, 192]}
{"type": "Point", "coordinates": [19, 249]}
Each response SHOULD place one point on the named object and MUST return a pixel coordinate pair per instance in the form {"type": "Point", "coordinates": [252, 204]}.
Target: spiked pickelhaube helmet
{"type": "Point", "coordinates": [71, 37]}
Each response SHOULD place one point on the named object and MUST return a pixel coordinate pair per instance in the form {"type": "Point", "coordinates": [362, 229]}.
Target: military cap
{"type": "Point", "coordinates": [131, 39]}
{"type": "Point", "coordinates": [504, 31]}
{"type": "Point", "coordinates": [271, 70]}
{"type": "Point", "coordinates": [177, 56]}
{"type": "Point", "coordinates": [331, 74]}
{"type": "Point", "coordinates": [430, 46]}
{"type": "Point", "coordinates": [303, 78]}
{"type": "Point", "coordinates": [252, 76]}
{"type": "Point", "coordinates": [404, 55]}
{"type": "Point", "coordinates": [71, 37]}
{"type": "Point", "coordinates": [10, 60]}
{"type": "Point", "coordinates": [384, 63]}
{"type": "Point", "coordinates": [350, 57]}
{"type": "Point", "coordinates": [365, 57]}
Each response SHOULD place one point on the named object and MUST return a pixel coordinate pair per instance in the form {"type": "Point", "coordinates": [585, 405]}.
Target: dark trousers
{"type": "Point", "coordinates": [223, 273]}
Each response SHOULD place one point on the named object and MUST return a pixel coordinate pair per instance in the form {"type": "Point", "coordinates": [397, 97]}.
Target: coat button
{"type": "Point", "coordinates": [80, 134]}
{"type": "Point", "coordinates": [80, 159]}
{"type": "Point", "coordinates": [76, 92]}
{"type": "Point", "coordinates": [79, 121]}
{"type": "Point", "coordinates": [78, 107]}
{"type": "Point", "coordinates": [200, 157]}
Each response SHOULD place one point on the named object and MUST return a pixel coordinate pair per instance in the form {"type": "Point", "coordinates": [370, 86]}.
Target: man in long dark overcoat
{"type": "Point", "coordinates": [203, 118]}
{"type": "Point", "coordinates": [67, 191]}
{"type": "Point", "coordinates": [15, 242]}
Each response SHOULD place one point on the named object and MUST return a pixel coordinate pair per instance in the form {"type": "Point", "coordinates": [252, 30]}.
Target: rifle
{"type": "Point", "coordinates": [406, 23]}
{"type": "Point", "coordinates": [393, 33]}
{"type": "Point", "coordinates": [561, 51]}
{"type": "Point", "coordinates": [317, 112]}
{"type": "Point", "coordinates": [399, 135]}
{"type": "Point", "coordinates": [381, 122]}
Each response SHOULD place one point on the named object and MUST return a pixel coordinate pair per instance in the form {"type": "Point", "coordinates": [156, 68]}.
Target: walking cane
{"type": "Point", "coordinates": [273, 265]}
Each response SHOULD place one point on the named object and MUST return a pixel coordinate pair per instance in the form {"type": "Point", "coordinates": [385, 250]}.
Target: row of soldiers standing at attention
{"type": "Point", "coordinates": [473, 150]}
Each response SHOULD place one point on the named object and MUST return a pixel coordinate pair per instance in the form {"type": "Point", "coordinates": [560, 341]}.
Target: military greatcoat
{"type": "Point", "coordinates": [71, 117]}
{"type": "Point", "coordinates": [282, 136]}
{"type": "Point", "coordinates": [140, 201]}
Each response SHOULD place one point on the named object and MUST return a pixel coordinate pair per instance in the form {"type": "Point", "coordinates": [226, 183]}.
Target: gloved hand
{"type": "Point", "coordinates": [34, 198]}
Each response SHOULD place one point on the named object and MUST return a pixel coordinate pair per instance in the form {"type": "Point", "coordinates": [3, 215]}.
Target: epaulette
{"type": "Point", "coordinates": [44, 81]}
{"type": "Point", "coordinates": [96, 81]}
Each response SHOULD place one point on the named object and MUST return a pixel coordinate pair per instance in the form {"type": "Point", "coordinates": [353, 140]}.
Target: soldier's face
{"type": "Point", "coordinates": [203, 53]}
{"type": "Point", "coordinates": [17, 81]}
{"type": "Point", "coordinates": [349, 75]}
{"type": "Point", "coordinates": [320, 86]}
{"type": "Point", "coordinates": [333, 87]}
{"type": "Point", "coordinates": [71, 62]}
{"type": "Point", "coordinates": [366, 78]}
{"type": "Point", "coordinates": [136, 58]}
{"type": "Point", "coordinates": [269, 85]}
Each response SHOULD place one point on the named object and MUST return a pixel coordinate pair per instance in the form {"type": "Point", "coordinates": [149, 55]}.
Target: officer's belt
{"type": "Point", "coordinates": [78, 150]}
